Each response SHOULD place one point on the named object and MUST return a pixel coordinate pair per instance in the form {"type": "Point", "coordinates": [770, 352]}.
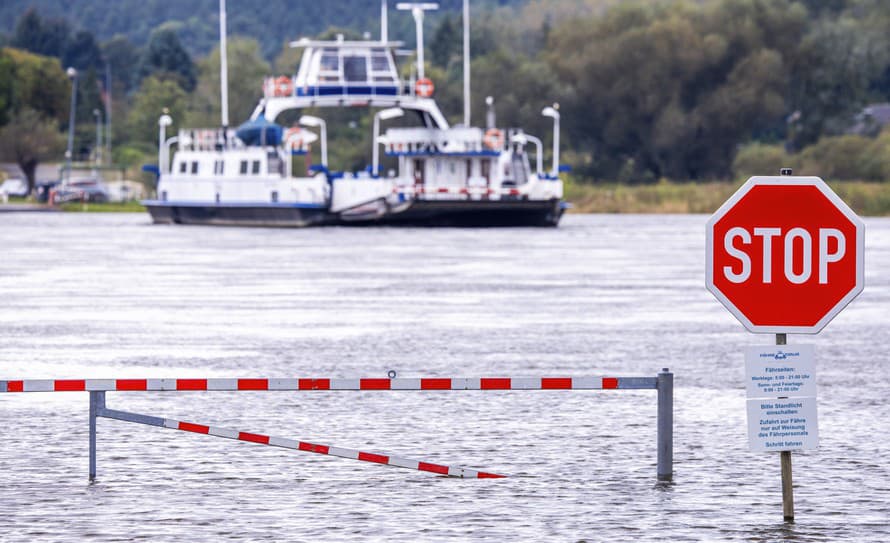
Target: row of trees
{"type": "Point", "coordinates": [646, 89]}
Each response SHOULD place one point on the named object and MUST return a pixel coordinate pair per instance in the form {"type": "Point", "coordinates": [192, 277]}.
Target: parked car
{"type": "Point", "coordinates": [14, 187]}
{"type": "Point", "coordinates": [43, 188]}
{"type": "Point", "coordinates": [80, 190]}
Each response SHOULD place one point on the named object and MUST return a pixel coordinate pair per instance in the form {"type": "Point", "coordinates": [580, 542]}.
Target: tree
{"type": "Point", "coordinates": [446, 42]}
{"type": "Point", "coordinates": [122, 55]}
{"type": "Point", "coordinates": [83, 52]}
{"type": "Point", "coordinates": [246, 71]}
{"type": "Point", "coordinates": [166, 56]}
{"type": "Point", "coordinates": [37, 83]}
{"type": "Point", "coordinates": [154, 97]}
{"type": "Point", "coordinates": [28, 139]}
{"type": "Point", "coordinates": [32, 33]}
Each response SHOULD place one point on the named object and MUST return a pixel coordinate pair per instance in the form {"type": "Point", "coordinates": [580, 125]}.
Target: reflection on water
{"type": "Point", "coordinates": [113, 296]}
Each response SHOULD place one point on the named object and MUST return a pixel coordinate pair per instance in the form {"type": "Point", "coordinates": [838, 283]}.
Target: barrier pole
{"type": "Point", "coordinates": [665, 385]}
{"type": "Point", "coordinates": [97, 403]}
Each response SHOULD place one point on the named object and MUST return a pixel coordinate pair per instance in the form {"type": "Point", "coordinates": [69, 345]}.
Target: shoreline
{"type": "Point", "coordinates": [867, 199]}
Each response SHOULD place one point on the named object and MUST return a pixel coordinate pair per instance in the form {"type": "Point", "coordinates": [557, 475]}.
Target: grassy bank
{"type": "Point", "coordinates": [866, 198]}
{"type": "Point", "coordinates": [110, 207]}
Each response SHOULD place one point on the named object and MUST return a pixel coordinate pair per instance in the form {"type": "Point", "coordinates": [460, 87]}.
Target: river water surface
{"type": "Point", "coordinates": [112, 296]}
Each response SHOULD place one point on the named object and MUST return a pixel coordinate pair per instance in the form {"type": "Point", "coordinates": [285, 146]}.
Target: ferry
{"type": "Point", "coordinates": [262, 174]}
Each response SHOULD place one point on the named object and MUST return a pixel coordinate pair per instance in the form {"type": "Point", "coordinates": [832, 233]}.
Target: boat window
{"type": "Point", "coordinates": [355, 68]}
{"type": "Point", "coordinates": [329, 69]}
{"type": "Point", "coordinates": [256, 167]}
{"type": "Point", "coordinates": [218, 166]}
{"type": "Point", "coordinates": [243, 167]}
{"type": "Point", "coordinates": [469, 167]}
{"type": "Point", "coordinates": [195, 167]}
{"type": "Point", "coordinates": [183, 167]}
{"type": "Point", "coordinates": [486, 170]}
{"type": "Point", "coordinates": [379, 62]}
{"type": "Point", "coordinates": [418, 172]}
{"type": "Point", "coordinates": [274, 196]}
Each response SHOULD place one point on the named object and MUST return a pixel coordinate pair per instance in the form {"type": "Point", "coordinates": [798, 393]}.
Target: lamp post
{"type": "Point", "coordinates": [417, 9]}
{"type": "Point", "coordinates": [316, 122]}
{"type": "Point", "coordinates": [98, 153]}
{"type": "Point", "coordinates": [163, 155]}
{"type": "Point", "coordinates": [554, 113]}
{"type": "Point", "coordinates": [72, 75]}
{"type": "Point", "coordinates": [382, 115]}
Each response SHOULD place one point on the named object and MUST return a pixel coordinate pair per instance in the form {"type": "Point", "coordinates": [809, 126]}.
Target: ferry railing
{"type": "Point", "coordinates": [663, 383]}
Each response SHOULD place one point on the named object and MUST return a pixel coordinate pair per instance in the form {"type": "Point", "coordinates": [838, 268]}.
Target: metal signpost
{"type": "Point", "coordinates": [784, 255]}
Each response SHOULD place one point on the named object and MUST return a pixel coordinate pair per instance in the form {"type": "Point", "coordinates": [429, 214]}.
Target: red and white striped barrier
{"type": "Point", "coordinates": [307, 384]}
{"type": "Point", "coordinates": [97, 388]}
{"type": "Point", "coordinates": [272, 441]}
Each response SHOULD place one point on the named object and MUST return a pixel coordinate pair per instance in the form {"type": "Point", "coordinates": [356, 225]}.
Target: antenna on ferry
{"type": "Point", "coordinates": [466, 62]}
{"type": "Point", "coordinates": [384, 23]}
{"type": "Point", "coordinates": [223, 68]}
{"type": "Point", "coordinates": [417, 9]}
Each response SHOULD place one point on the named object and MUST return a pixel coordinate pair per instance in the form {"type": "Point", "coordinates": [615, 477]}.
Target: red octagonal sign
{"type": "Point", "coordinates": [785, 254]}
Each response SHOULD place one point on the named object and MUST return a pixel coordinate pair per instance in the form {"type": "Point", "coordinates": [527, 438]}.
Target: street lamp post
{"type": "Point", "coordinates": [382, 115]}
{"type": "Point", "coordinates": [317, 122]}
{"type": "Point", "coordinates": [98, 153]}
{"type": "Point", "coordinates": [554, 113]}
{"type": "Point", "coordinates": [417, 9]}
{"type": "Point", "coordinates": [163, 154]}
{"type": "Point", "coordinates": [72, 75]}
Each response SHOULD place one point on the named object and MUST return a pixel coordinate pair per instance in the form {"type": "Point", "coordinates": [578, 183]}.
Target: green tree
{"type": "Point", "coordinates": [165, 55]}
{"type": "Point", "coordinates": [155, 96]}
{"type": "Point", "coordinates": [29, 139]}
{"type": "Point", "coordinates": [446, 42]}
{"type": "Point", "coordinates": [36, 35]}
{"type": "Point", "coordinates": [246, 69]}
{"type": "Point", "coordinates": [37, 83]}
{"type": "Point", "coordinates": [83, 52]}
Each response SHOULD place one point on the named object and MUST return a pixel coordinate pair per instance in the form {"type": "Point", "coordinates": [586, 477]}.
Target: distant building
{"type": "Point", "coordinates": [871, 120]}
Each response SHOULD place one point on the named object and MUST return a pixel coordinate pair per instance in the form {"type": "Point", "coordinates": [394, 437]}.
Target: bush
{"type": "Point", "coordinates": [760, 159]}
{"type": "Point", "coordinates": [840, 157]}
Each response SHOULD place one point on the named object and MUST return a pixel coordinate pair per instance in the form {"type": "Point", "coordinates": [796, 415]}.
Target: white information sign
{"type": "Point", "coordinates": [780, 370]}
{"type": "Point", "coordinates": [781, 385]}
{"type": "Point", "coordinates": [782, 425]}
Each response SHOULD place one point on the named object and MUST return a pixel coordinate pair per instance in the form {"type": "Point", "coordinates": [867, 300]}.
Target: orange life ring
{"type": "Point", "coordinates": [424, 87]}
{"type": "Point", "coordinates": [494, 139]}
{"type": "Point", "coordinates": [284, 86]}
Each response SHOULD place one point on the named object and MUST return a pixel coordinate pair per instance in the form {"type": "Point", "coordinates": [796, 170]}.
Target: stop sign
{"type": "Point", "coordinates": [785, 254]}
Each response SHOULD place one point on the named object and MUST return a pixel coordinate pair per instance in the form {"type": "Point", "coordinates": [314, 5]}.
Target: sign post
{"type": "Point", "coordinates": [784, 255]}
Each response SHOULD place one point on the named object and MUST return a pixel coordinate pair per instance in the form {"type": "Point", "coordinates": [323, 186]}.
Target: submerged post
{"type": "Point", "coordinates": [665, 384]}
{"type": "Point", "coordinates": [97, 403]}
{"type": "Point", "coordinates": [785, 456]}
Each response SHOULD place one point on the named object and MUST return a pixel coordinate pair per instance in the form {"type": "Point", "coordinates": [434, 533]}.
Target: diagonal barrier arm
{"type": "Point", "coordinates": [97, 406]}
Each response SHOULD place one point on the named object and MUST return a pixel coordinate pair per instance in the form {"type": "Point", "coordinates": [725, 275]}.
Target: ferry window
{"type": "Point", "coordinates": [218, 167]}
{"type": "Point", "coordinates": [274, 196]}
{"type": "Point", "coordinates": [379, 62]}
{"type": "Point", "coordinates": [418, 171]}
{"type": "Point", "coordinates": [195, 167]}
{"type": "Point", "coordinates": [183, 167]}
{"type": "Point", "coordinates": [243, 166]}
{"type": "Point", "coordinates": [256, 167]}
{"type": "Point", "coordinates": [163, 195]}
{"type": "Point", "coordinates": [453, 167]}
{"type": "Point", "coordinates": [486, 169]}
{"type": "Point", "coordinates": [469, 167]}
{"type": "Point", "coordinates": [355, 68]}
{"type": "Point", "coordinates": [330, 62]}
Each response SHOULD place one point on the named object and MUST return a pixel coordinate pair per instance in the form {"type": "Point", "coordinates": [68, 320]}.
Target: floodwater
{"type": "Point", "coordinates": [112, 296]}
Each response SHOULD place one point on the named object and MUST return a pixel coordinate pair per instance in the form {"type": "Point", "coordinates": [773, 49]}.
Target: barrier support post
{"type": "Point", "coordinates": [665, 385]}
{"type": "Point", "coordinates": [97, 404]}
